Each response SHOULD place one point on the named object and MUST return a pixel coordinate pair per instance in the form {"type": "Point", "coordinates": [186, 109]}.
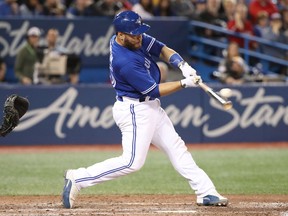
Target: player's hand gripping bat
{"type": "Point", "coordinates": [226, 104]}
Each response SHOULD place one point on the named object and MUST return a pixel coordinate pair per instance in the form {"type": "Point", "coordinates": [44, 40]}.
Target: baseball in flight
{"type": "Point", "coordinates": [225, 92]}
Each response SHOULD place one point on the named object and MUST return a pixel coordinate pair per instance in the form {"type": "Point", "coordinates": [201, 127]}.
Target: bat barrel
{"type": "Point", "coordinates": [225, 104]}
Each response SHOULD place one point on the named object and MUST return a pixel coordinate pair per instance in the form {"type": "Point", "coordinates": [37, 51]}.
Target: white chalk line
{"type": "Point", "coordinates": [264, 204]}
{"type": "Point", "coordinates": [165, 212]}
{"type": "Point", "coordinates": [56, 210]}
{"type": "Point", "coordinates": [144, 204]}
{"type": "Point", "coordinates": [176, 211]}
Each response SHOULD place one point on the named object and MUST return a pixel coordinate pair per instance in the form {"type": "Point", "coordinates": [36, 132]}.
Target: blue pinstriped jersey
{"type": "Point", "coordinates": [134, 73]}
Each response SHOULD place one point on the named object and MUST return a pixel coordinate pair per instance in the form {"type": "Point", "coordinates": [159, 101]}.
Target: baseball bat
{"type": "Point", "coordinates": [226, 104]}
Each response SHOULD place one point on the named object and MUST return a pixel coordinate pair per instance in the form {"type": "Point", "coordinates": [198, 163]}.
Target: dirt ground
{"type": "Point", "coordinates": [168, 205]}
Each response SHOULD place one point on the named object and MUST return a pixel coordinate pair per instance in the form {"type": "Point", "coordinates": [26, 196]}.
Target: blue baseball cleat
{"type": "Point", "coordinates": [212, 200]}
{"type": "Point", "coordinates": [70, 191]}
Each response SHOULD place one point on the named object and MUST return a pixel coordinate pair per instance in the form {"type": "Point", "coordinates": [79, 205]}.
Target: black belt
{"type": "Point", "coordinates": [142, 99]}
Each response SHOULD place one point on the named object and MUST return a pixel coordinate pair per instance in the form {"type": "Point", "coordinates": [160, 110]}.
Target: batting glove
{"type": "Point", "coordinates": [190, 81]}
{"type": "Point", "coordinates": [187, 70]}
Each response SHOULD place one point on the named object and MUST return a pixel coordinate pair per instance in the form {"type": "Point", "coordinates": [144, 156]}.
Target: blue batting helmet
{"type": "Point", "coordinates": [129, 22]}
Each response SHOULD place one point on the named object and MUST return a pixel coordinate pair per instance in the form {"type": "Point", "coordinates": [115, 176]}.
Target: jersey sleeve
{"type": "Point", "coordinates": [138, 78]}
{"type": "Point", "coordinates": [152, 46]}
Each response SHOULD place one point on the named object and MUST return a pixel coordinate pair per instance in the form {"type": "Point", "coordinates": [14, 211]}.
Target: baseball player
{"type": "Point", "coordinates": [138, 113]}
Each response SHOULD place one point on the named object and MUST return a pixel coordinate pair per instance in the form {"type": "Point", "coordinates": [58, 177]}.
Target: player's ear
{"type": "Point", "coordinates": [121, 36]}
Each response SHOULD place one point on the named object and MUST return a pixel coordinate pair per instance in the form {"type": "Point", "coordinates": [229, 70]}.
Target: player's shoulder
{"type": "Point", "coordinates": [147, 42]}
{"type": "Point", "coordinates": [147, 37]}
{"type": "Point", "coordinates": [123, 54]}
{"type": "Point", "coordinates": [123, 57]}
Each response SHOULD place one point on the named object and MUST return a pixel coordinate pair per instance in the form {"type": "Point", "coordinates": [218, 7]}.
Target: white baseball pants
{"type": "Point", "coordinates": [142, 123]}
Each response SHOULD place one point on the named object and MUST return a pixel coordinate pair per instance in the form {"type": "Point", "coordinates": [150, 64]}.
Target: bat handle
{"type": "Point", "coordinates": [204, 86]}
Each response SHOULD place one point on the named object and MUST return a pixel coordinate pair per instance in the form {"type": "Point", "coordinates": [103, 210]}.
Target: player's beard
{"type": "Point", "coordinates": [132, 46]}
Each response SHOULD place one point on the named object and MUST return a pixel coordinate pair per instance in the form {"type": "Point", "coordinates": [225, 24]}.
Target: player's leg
{"type": "Point", "coordinates": [136, 125]}
{"type": "Point", "coordinates": [167, 139]}
{"type": "Point", "coordinates": [135, 144]}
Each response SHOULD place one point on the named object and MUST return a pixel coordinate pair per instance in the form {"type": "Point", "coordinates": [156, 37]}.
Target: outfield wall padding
{"type": "Point", "coordinates": [65, 114]}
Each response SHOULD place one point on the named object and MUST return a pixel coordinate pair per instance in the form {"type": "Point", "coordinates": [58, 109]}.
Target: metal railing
{"type": "Point", "coordinates": [245, 51]}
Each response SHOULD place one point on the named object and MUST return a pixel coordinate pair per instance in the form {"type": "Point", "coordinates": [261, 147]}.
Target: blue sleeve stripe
{"type": "Point", "coordinates": [149, 89]}
{"type": "Point", "coordinates": [150, 45]}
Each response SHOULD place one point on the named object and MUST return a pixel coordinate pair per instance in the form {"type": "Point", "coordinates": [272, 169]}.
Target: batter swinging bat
{"type": "Point", "coordinates": [225, 103]}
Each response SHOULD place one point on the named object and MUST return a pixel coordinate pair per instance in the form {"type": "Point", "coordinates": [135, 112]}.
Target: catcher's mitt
{"type": "Point", "coordinates": [14, 108]}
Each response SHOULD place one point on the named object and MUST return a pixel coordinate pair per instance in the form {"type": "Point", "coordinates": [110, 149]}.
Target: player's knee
{"type": "Point", "coordinates": [133, 163]}
{"type": "Point", "coordinates": [136, 165]}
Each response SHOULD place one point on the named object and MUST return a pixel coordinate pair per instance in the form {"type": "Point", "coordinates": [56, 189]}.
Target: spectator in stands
{"type": "Point", "coordinates": [107, 7]}
{"type": "Point", "coordinates": [164, 8]}
{"type": "Point", "coordinates": [275, 33]}
{"type": "Point", "coordinates": [27, 57]}
{"type": "Point", "coordinates": [3, 69]}
{"type": "Point", "coordinates": [126, 5]}
{"type": "Point", "coordinates": [144, 8]}
{"type": "Point", "coordinates": [241, 24]}
{"type": "Point", "coordinates": [9, 8]}
{"type": "Point", "coordinates": [68, 3]}
{"type": "Point", "coordinates": [54, 50]}
{"type": "Point", "coordinates": [284, 14]}
{"type": "Point", "coordinates": [200, 6]}
{"type": "Point", "coordinates": [262, 23]}
{"type": "Point", "coordinates": [233, 68]}
{"type": "Point", "coordinates": [257, 6]}
{"type": "Point", "coordinates": [54, 8]}
{"type": "Point", "coordinates": [282, 5]}
{"type": "Point", "coordinates": [183, 8]}
{"type": "Point", "coordinates": [229, 7]}
{"type": "Point", "coordinates": [31, 8]}
{"type": "Point", "coordinates": [80, 8]}
{"type": "Point", "coordinates": [212, 16]}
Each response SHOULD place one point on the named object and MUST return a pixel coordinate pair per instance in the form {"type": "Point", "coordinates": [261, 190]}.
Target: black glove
{"type": "Point", "coordinates": [14, 108]}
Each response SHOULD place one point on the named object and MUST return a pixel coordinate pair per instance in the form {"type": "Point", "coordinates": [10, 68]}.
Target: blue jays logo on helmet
{"type": "Point", "coordinates": [129, 22]}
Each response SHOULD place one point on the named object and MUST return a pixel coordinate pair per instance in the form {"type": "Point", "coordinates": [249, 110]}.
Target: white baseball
{"type": "Point", "coordinates": [225, 92]}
